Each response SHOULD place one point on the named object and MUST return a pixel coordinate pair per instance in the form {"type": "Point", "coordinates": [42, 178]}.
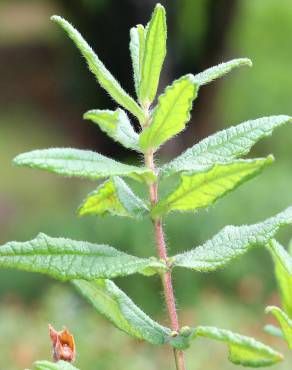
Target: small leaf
{"type": "Point", "coordinates": [79, 163]}
{"type": "Point", "coordinates": [232, 242]}
{"type": "Point", "coordinates": [137, 46]}
{"type": "Point", "coordinates": [154, 55]}
{"type": "Point", "coordinates": [121, 311]}
{"type": "Point", "coordinates": [220, 70]}
{"type": "Point", "coordinates": [66, 259]}
{"type": "Point", "coordinates": [284, 321]}
{"type": "Point", "coordinates": [103, 76]}
{"type": "Point", "coordinates": [283, 270]}
{"type": "Point", "coordinates": [113, 197]}
{"type": "Point", "coordinates": [60, 365]}
{"type": "Point", "coordinates": [225, 145]}
{"type": "Point", "coordinates": [243, 350]}
{"type": "Point", "coordinates": [274, 331]}
{"type": "Point", "coordinates": [116, 125]}
{"type": "Point", "coordinates": [171, 114]}
{"type": "Point", "coordinates": [199, 190]}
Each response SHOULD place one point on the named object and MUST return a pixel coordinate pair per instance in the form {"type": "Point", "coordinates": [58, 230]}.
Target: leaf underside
{"type": "Point", "coordinates": [137, 47]}
{"type": "Point", "coordinates": [232, 242]}
{"type": "Point", "coordinates": [284, 321]}
{"type": "Point", "coordinates": [60, 365]}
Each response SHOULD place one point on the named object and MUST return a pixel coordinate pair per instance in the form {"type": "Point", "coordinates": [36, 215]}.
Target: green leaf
{"type": "Point", "coordinates": [66, 259]}
{"type": "Point", "coordinates": [225, 145]}
{"type": "Point", "coordinates": [116, 125]}
{"type": "Point", "coordinates": [113, 197]}
{"type": "Point", "coordinates": [283, 270]}
{"type": "Point", "coordinates": [284, 321]}
{"type": "Point", "coordinates": [199, 190]}
{"type": "Point", "coordinates": [220, 70]}
{"type": "Point", "coordinates": [243, 350]}
{"type": "Point", "coordinates": [274, 331]}
{"type": "Point", "coordinates": [137, 46]}
{"type": "Point", "coordinates": [154, 55]}
{"type": "Point", "coordinates": [121, 311]}
{"type": "Point", "coordinates": [232, 242]}
{"type": "Point", "coordinates": [80, 163]}
{"type": "Point", "coordinates": [171, 114]}
{"type": "Point", "coordinates": [103, 76]}
{"type": "Point", "coordinates": [60, 365]}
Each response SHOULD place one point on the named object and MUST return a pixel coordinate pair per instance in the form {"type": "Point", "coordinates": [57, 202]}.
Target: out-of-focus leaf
{"type": "Point", "coordinates": [137, 46]}
{"type": "Point", "coordinates": [121, 311]}
{"type": "Point", "coordinates": [103, 76]}
{"type": "Point", "coordinates": [284, 321]}
{"type": "Point", "coordinates": [274, 330]}
{"type": "Point", "coordinates": [200, 190]}
{"type": "Point", "coordinates": [232, 242]}
{"type": "Point", "coordinates": [171, 114]}
{"type": "Point", "coordinates": [60, 365]}
{"type": "Point", "coordinates": [67, 259]}
{"type": "Point", "coordinates": [113, 197]}
{"type": "Point", "coordinates": [116, 125]}
{"type": "Point", "coordinates": [225, 145]}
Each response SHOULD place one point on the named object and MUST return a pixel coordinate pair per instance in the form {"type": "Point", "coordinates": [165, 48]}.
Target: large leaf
{"type": "Point", "coordinates": [66, 259]}
{"type": "Point", "coordinates": [283, 270]}
{"type": "Point", "coordinates": [171, 114]}
{"type": "Point", "coordinates": [117, 125]}
{"type": "Point", "coordinates": [232, 242]}
{"type": "Point", "coordinates": [121, 311]}
{"type": "Point", "coordinates": [103, 76]}
{"type": "Point", "coordinates": [220, 70]}
{"type": "Point", "coordinates": [243, 350]}
{"type": "Point", "coordinates": [225, 145]}
{"type": "Point", "coordinates": [60, 365]}
{"type": "Point", "coordinates": [284, 321]}
{"type": "Point", "coordinates": [154, 55]}
{"type": "Point", "coordinates": [199, 190]}
{"type": "Point", "coordinates": [137, 46]}
{"type": "Point", "coordinates": [113, 197]}
{"type": "Point", "coordinates": [79, 163]}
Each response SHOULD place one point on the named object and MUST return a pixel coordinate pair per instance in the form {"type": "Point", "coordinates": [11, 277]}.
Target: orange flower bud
{"type": "Point", "coordinates": [63, 345]}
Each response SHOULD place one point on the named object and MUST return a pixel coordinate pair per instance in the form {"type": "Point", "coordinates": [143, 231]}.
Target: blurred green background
{"type": "Point", "coordinates": [45, 89]}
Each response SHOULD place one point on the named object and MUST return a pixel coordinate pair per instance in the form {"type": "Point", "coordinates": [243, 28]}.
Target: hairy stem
{"type": "Point", "coordinates": [162, 254]}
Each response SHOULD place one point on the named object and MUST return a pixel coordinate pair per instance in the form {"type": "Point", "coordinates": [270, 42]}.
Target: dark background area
{"type": "Point", "coordinates": [46, 88]}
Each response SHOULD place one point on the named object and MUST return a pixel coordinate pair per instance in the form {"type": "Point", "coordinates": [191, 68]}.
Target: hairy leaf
{"type": "Point", "coordinates": [154, 55]}
{"type": "Point", "coordinates": [66, 259]}
{"type": "Point", "coordinates": [199, 190]}
{"type": "Point", "coordinates": [116, 125]}
{"type": "Point", "coordinates": [121, 311]}
{"type": "Point", "coordinates": [171, 114]}
{"type": "Point", "coordinates": [113, 197]}
{"type": "Point", "coordinates": [103, 76]}
{"type": "Point", "coordinates": [60, 365]}
{"type": "Point", "coordinates": [243, 350]}
{"type": "Point", "coordinates": [284, 321]}
{"type": "Point", "coordinates": [283, 270]}
{"type": "Point", "coordinates": [225, 145]}
{"type": "Point", "coordinates": [79, 163]}
{"type": "Point", "coordinates": [232, 242]}
{"type": "Point", "coordinates": [137, 46]}
{"type": "Point", "coordinates": [220, 70]}
{"type": "Point", "coordinates": [274, 331]}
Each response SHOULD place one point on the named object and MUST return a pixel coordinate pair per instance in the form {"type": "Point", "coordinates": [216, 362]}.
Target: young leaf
{"type": "Point", "coordinates": [154, 54]}
{"type": "Point", "coordinates": [284, 321]}
{"type": "Point", "coordinates": [121, 311]}
{"type": "Point", "coordinates": [171, 114]}
{"type": "Point", "coordinates": [66, 259]}
{"type": "Point", "coordinates": [103, 76]}
{"type": "Point", "coordinates": [274, 331]}
{"type": "Point", "coordinates": [60, 365]}
{"type": "Point", "coordinates": [220, 70]}
{"type": "Point", "coordinates": [137, 46]}
{"type": "Point", "coordinates": [79, 163]}
{"type": "Point", "coordinates": [243, 350]}
{"type": "Point", "coordinates": [113, 197]}
{"type": "Point", "coordinates": [232, 242]}
{"type": "Point", "coordinates": [116, 125]}
{"type": "Point", "coordinates": [199, 190]}
{"type": "Point", "coordinates": [283, 270]}
{"type": "Point", "coordinates": [225, 145]}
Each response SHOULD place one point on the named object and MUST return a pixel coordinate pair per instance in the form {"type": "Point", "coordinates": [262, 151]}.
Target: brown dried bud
{"type": "Point", "coordinates": [63, 345]}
